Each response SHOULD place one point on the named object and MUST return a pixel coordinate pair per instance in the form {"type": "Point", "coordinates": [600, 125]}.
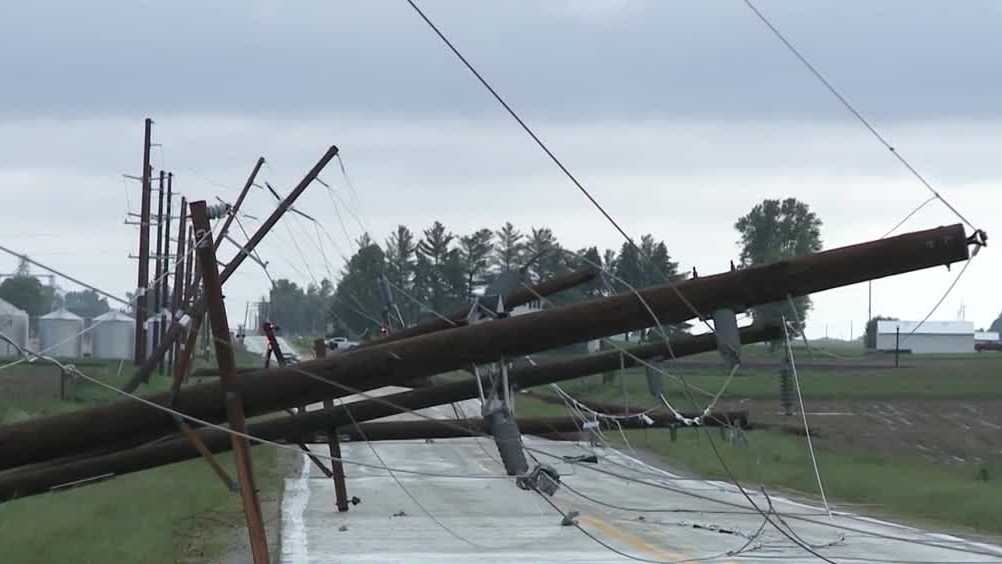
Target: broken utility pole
{"type": "Point", "coordinates": [393, 363]}
{"type": "Point", "coordinates": [198, 303]}
{"type": "Point", "coordinates": [512, 300]}
{"type": "Point", "coordinates": [40, 478]}
{"type": "Point", "coordinates": [478, 427]}
{"type": "Point", "coordinates": [228, 379]}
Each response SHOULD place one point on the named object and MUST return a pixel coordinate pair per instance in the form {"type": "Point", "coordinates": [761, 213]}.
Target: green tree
{"type": "Point", "coordinates": [870, 335]}
{"type": "Point", "coordinates": [356, 300]}
{"type": "Point", "coordinates": [997, 324]}
{"type": "Point", "coordinates": [26, 292]}
{"type": "Point", "coordinates": [286, 306]}
{"type": "Point", "coordinates": [542, 248]}
{"type": "Point", "coordinates": [509, 249]}
{"type": "Point", "coordinates": [434, 255]}
{"type": "Point", "coordinates": [628, 269]}
{"type": "Point", "coordinates": [591, 259]}
{"type": "Point", "coordinates": [775, 230]}
{"type": "Point", "coordinates": [401, 259]}
{"type": "Point", "coordinates": [87, 303]}
{"type": "Point", "coordinates": [475, 251]}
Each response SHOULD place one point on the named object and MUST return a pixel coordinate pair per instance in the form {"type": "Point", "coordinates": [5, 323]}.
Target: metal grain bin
{"type": "Point", "coordinates": [114, 336]}
{"type": "Point", "coordinates": [59, 333]}
{"type": "Point", "coordinates": [14, 325]}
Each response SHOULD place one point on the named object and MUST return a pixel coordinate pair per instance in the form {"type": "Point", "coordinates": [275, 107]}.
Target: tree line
{"type": "Point", "coordinates": [26, 292]}
{"type": "Point", "coordinates": [436, 270]}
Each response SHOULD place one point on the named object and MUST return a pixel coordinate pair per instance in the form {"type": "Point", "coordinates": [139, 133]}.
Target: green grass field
{"type": "Point", "coordinates": [964, 496]}
{"type": "Point", "coordinates": [963, 376]}
{"type": "Point", "coordinates": [175, 513]}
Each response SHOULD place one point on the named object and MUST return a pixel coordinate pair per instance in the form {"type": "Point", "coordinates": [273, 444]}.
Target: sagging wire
{"type": "Point", "coordinates": [792, 516]}
{"type": "Point", "coordinates": [909, 216]}
{"type": "Point", "coordinates": [568, 518]}
{"type": "Point", "coordinates": [803, 414]}
{"type": "Point", "coordinates": [943, 297]}
{"type": "Point", "coordinates": [71, 369]}
{"type": "Point", "coordinates": [95, 325]}
{"type": "Point", "coordinates": [859, 117]}
{"type": "Point", "coordinates": [586, 193]}
{"type": "Point", "coordinates": [685, 492]}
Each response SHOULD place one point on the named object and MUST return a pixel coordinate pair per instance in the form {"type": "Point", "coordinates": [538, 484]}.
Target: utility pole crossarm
{"type": "Point", "coordinates": [198, 303]}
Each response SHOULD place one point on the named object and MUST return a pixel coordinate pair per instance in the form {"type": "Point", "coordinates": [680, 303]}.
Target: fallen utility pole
{"type": "Point", "coordinates": [228, 378]}
{"type": "Point", "coordinates": [515, 298]}
{"type": "Point", "coordinates": [393, 363]}
{"type": "Point", "coordinates": [179, 276]}
{"type": "Point", "coordinates": [512, 300]}
{"type": "Point", "coordinates": [198, 304]}
{"type": "Point", "coordinates": [225, 229]}
{"type": "Point", "coordinates": [40, 478]}
{"type": "Point", "coordinates": [477, 427]}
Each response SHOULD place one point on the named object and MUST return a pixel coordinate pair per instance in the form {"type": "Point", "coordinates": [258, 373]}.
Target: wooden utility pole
{"type": "Point", "coordinates": [177, 296]}
{"type": "Point", "coordinates": [198, 307]}
{"type": "Point", "coordinates": [228, 378]}
{"type": "Point", "coordinates": [333, 443]}
{"type": "Point", "coordinates": [165, 269]}
{"type": "Point", "coordinates": [158, 270]}
{"type": "Point", "coordinates": [39, 478]}
{"type": "Point", "coordinates": [394, 363]}
{"type": "Point", "coordinates": [225, 229]}
{"type": "Point", "coordinates": [142, 285]}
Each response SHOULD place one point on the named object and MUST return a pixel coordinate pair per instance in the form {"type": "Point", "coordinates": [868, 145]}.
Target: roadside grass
{"type": "Point", "coordinates": [961, 496]}
{"type": "Point", "coordinates": [954, 377]}
{"type": "Point", "coordinates": [964, 495]}
{"type": "Point", "coordinates": [175, 513]}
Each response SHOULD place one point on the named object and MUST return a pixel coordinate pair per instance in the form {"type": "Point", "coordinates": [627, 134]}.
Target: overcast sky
{"type": "Point", "coordinates": [679, 116]}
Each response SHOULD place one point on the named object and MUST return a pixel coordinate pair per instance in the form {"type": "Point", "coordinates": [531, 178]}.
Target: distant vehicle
{"type": "Point", "coordinates": [988, 346]}
{"type": "Point", "coordinates": [340, 344]}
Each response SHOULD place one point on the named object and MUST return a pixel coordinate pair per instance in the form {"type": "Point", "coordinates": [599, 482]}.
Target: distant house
{"type": "Point", "coordinates": [929, 337]}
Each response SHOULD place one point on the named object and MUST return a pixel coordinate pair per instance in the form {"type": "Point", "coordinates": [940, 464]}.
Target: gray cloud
{"type": "Point", "coordinates": [898, 60]}
{"type": "Point", "coordinates": [686, 182]}
{"type": "Point", "coordinates": [679, 116]}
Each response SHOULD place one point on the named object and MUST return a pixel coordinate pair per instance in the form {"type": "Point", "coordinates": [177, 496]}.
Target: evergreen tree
{"type": "Point", "coordinates": [356, 301]}
{"type": "Point", "coordinates": [401, 263]}
{"type": "Point", "coordinates": [544, 251]}
{"type": "Point", "coordinates": [509, 249]}
{"type": "Point", "coordinates": [475, 251]}
{"type": "Point", "coordinates": [628, 268]}
{"type": "Point", "coordinates": [434, 254]}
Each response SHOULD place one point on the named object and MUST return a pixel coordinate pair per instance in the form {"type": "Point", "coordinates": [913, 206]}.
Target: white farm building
{"type": "Point", "coordinates": [929, 337]}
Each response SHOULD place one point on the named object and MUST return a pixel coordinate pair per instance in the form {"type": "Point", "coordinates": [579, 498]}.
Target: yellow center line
{"type": "Point", "coordinates": [633, 540]}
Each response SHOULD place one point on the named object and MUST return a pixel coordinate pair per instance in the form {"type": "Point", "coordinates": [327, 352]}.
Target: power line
{"type": "Point", "coordinates": [859, 116]}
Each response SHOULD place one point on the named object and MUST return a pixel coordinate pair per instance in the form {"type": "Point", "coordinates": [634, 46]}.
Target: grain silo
{"type": "Point", "coordinates": [59, 333]}
{"type": "Point", "coordinates": [114, 336]}
{"type": "Point", "coordinates": [13, 324]}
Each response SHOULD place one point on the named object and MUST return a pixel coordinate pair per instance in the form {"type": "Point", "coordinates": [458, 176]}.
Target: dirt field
{"type": "Point", "coordinates": [940, 430]}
